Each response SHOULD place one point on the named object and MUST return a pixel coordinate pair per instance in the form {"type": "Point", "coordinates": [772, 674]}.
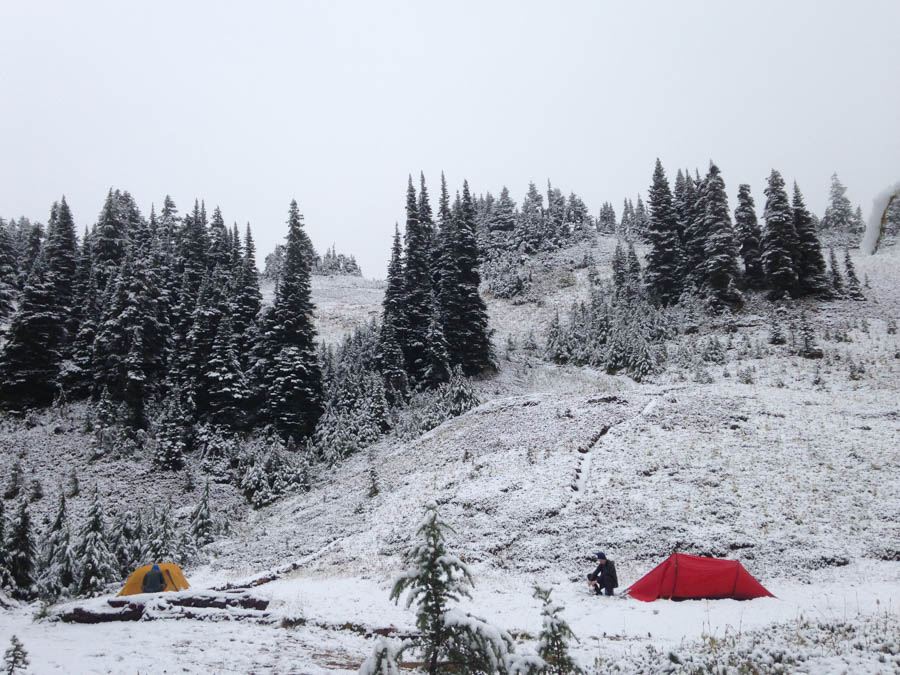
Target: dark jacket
{"type": "Point", "coordinates": [605, 575]}
{"type": "Point", "coordinates": [153, 582]}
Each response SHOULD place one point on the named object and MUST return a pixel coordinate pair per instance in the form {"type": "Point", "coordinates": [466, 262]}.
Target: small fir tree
{"type": "Point", "coordinates": [434, 581]}
{"type": "Point", "coordinates": [98, 566]}
{"type": "Point", "coordinates": [749, 236]}
{"type": "Point", "coordinates": [854, 290]}
{"type": "Point", "coordinates": [20, 553]}
{"type": "Point", "coordinates": [202, 526]}
{"type": "Point", "coordinates": [836, 279]}
{"type": "Point", "coordinates": [779, 239]}
{"type": "Point", "coordinates": [15, 658]}
{"type": "Point", "coordinates": [553, 641]}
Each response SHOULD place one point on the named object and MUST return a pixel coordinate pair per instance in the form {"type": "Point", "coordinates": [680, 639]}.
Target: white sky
{"type": "Point", "coordinates": [251, 104]}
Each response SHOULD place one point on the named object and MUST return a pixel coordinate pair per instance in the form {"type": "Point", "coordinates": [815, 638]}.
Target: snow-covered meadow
{"type": "Point", "coordinates": [795, 471]}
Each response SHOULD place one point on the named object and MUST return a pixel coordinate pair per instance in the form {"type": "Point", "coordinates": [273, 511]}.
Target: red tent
{"type": "Point", "coordinates": [683, 576]}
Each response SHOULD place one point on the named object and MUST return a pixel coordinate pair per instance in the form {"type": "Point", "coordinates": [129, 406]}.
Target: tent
{"type": "Point", "coordinates": [682, 576]}
{"type": "Point", "coordinates": [171, 572]}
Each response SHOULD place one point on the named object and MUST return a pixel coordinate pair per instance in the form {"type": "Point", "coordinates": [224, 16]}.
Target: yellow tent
{"type": "Point", "coordinates": [172, 575]}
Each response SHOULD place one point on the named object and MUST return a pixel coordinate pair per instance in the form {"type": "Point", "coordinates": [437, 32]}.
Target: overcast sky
{"type": "Point", "coordinates": [248, 105]}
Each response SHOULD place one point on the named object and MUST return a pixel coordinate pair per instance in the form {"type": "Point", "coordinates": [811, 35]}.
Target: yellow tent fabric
{"type": "Point", "coordinates": [171, 572]}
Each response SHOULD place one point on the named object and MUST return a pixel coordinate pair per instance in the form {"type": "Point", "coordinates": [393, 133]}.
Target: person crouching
{"type": "Point", "coordinates": [603, 579]}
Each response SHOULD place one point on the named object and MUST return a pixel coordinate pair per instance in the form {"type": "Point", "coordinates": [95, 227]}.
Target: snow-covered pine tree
{"type": "Point", "coordinates": [31, 357]}
{"type": "Point", "coordinates": [720, 269]}
{"type": "Point", "coordinates": [247, 299]}
{"type": "Point", "coordinates": [776, 330]}
{"type": "Point", "coordinates": [811, 269]}
{"type": "Point", "coordinates": [641, 219]}
{"type": "Point", "coordinates": [15, 482]}
{"type": "Point", "coordinates": [749, 236]}
{"type": "Point", "coordinates": [620, 273]}
{"type": "Point", "coordinates": [6, 581]}
{"type": "Point", "coordinates": [110, 237]}
{"type": "Point", "coordinates": [553, 641]}
{"type": "Point", "coordinates": [173, 432]}
{"type": "Point", "coordinates": [530, 231]}
{"type": "Point", "coordinates": [20, 552]}
{"type": "Point", "coordinates": [126, 545]}
{"type": "Point", "coordinates": [854, 290]}
{"type": "Point", "coordinates": [463, 312]}
{"type": "Point", "coordinates": [160, 540]}
{"type": "Point", "coordinates": [391, 364]}
{"type": "Point", "coordinates": [290, 376]}
{"type": "Point", "coordinates": [437, 358]}
{"type": "Point", "coordinates": [779, 239]}
{"type": "Point", "coordinates": [555, 216]}
{"type": "Point", "coordinates": [8, 276]}
{"type": "Point", "coordinates": [57, 558]}
{"type": "Point", "coordinates": [416, 303]}
{"type": "Point", "coordinates": [502, 222]}
{"type": "Point", "coordinates": [836, 279]}
{"type": "Point", "coordinates": [202, 526]}
{"type": "Point", "coordinates": [62, 255]}
{"type": "Point", "coordinates": [633, 268]}
{"type": "Point", "coordinates": [838, 219]}
{"type": "Point", "coordinates": [606, 221]}
{"type": "Point", "coordinates": [664, 257]}
{"type": "Point", "coordinates": [435, 580]}
{"type": "Point", "coordinates": [808, 347]}
{"type": "Point", "coordinates": [15, 658]}
{"type": "Point", "coordinates": [98, 566]}
{"type": "Point", "coordinates": [228, 388]}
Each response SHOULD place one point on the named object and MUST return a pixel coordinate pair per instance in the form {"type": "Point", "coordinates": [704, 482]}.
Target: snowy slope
{"type": "Point", "coordinates": [797, 479]}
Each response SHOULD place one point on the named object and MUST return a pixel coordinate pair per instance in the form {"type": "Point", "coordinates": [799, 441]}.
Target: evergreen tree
{"type": "Point", "coordinates": [641, 219]}
{"type": "Point", "coordinates": [20, 553]}
{"type": "Point", "coordinates": [810, 262]}
{"type": "Point", "coordinates": [749, 235]}
{"type": "Point", "coordinates": [98, 565]}
{"type": "Point", "coordinates": [619, 267]}
{"type": "Point", "coordinates": [127, 533]}
{"type": "Point", "coordinates": [553, 641]}
{"type": "Point", "coordinates": [390, 362]}
{"type": "Point", "coordinates": [291, 378]}
{"type": "Point", "coordinates": [436, 357]}
{"type": "Point", "coordinates": [838, 216]}
{"type": "Point", "coordinates": [555, 217]}
{"type": "Point", "coordinates": [835, 277]}
{"type": "Point", "coordinates": [6, 580]}
{"type": "Point", "coordinates": [248, 299]}
{"type": "Point", "coordinates": [633, 268]}
{"type": "Point", "coordinates": [228, 389]}
{"type": "Point", "coordinates": [531, 231]}
{"type": "Point", "coordinates": [15, 658]}
{"type": "Point", "coordinates": [202, 526]}
{"type": "Point", "coordinates": [57, 560]}
{"type": "Point", "coordinates": [33, 246]}
{"type": "Point", "coordinates": [8, 277]}
{"type": "Point", "coordinates": [779, 239]}
{"type": "Point", "coordinates": [392, 313]}
{"type": "Point", "coordinates": [416, 289]}
{"type": "Point", "coordinates": [62, 254]}
{"type": "Point", "coordinates": [664, 257]}
{"type": "Point", "coordinates": [720, 270]}
{"type": "Point", "coordinates": [436, 579]}
{"type": "Point", "coordinates": [606, 222]}
{"type": "Point", "coordinates": [173, 433]}
{"type": "Point", "coordinates": [503, 218]}
{"type": "Point", "coordinates": [853, 288]}
{"type": "Point", "coordinates": [464, 314]}
{"type": "Point", "coordinates": [31, 357]}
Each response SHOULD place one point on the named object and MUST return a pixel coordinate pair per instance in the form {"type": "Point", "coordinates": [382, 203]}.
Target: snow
{"type": "Point", "coordinates": [799, 481]}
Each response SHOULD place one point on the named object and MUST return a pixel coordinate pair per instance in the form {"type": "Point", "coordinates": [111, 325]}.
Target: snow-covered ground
{"type": "Point", "coordinates": [796, 474]}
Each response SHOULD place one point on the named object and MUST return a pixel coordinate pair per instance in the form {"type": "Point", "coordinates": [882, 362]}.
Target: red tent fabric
{"type": "Point", "coordinates": [683, 576]}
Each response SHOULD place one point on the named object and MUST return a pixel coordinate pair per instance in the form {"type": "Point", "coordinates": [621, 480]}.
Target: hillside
{"type": "Point", "coordinates": [795, 471]}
